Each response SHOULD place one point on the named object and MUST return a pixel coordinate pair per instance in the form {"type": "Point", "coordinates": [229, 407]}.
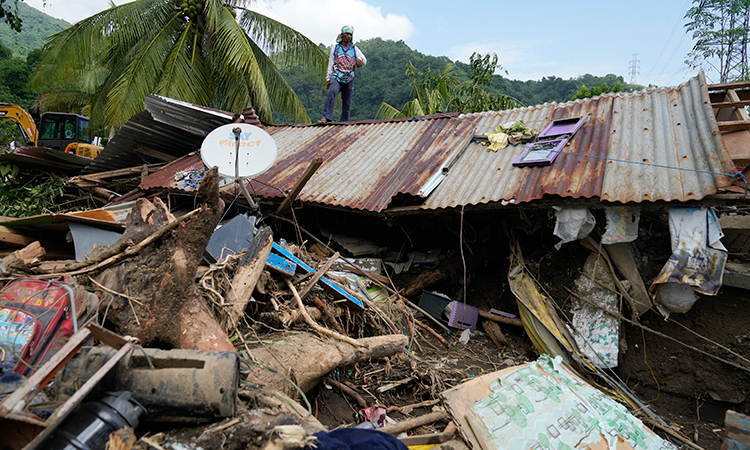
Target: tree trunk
{"type": "Point", "coordinates": [162, 305]}
{"type": "Point", "coordinates": [306, 357]}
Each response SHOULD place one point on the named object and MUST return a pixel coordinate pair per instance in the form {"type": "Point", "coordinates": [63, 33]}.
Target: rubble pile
{"type": "Point", "coordinates": [390, 286]}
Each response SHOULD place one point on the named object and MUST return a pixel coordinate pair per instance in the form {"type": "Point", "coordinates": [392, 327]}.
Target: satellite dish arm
{"type": "Point", "coordinates": [240, 181]}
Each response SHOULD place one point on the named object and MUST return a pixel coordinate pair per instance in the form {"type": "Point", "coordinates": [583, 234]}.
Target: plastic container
{"type": "Point", "coordinates": [90, 428]}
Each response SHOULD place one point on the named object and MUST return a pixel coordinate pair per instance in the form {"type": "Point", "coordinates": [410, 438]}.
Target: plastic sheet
{"type": "Point", "coordinates": [698, 256]}
{"type": "Point", "coordinates": [622, 224]}
{"type": "Point", "coordinates": [573, 224]}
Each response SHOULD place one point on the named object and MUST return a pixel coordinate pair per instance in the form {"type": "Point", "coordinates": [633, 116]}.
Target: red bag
{"type": "Point", "coordinates": [37, 317]}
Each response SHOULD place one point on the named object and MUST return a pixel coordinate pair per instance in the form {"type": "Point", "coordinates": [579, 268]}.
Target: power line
{"type": "Point", "coordinates": [671, 35]}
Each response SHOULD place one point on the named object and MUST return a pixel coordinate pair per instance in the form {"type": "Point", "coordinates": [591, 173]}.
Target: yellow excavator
{"type": "Point", "coordinates": [59, 131]}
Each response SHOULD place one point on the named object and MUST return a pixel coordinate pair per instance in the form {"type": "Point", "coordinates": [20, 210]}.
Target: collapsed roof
{"type": "Point", "coordinates": [660, 144]}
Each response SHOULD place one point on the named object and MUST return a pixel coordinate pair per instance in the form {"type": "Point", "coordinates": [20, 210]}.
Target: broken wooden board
{"type": "Point", "coordinates": [281, 265]}
{"type": "Point", "coordinates": [543, 404]}
{"type": "Point", "coordinates": [22, 258]}
{"type": "Point", "coordinates": [621, 255]}
{"type": "Point", "coordinates": [246, 276]}
{"type": "Point", "coordinates": [736, 431]}
{"type": "Point", "coordinates": [329, 285]}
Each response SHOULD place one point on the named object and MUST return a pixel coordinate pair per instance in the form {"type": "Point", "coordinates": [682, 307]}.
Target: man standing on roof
{"type": "Point", "coordinates": [342, 61]}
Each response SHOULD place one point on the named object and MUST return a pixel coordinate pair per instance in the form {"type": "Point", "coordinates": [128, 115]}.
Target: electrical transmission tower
{"type": "Point", "coordinates": [633, 68]}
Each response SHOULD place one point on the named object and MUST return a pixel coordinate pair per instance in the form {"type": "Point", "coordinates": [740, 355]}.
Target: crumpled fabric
{"type": "Point", "coordinates": [356, 439]}
{"type": "Point", "coordinates": [498, 141]}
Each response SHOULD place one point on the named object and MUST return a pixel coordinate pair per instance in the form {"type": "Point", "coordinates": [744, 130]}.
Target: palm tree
{"type": "Point", "coordinates": [191, 50]}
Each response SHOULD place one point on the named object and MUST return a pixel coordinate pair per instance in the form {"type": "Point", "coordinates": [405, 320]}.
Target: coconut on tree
{"type": "Point", "coordinates": [191, 50]}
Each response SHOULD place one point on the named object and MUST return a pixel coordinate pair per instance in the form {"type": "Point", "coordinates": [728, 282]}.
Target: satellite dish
{"type": "Point", "coordinates": [257, 150]}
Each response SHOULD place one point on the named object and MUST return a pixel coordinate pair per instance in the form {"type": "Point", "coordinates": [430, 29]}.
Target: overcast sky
{"type": "Point", "coordinates": [532, 39]}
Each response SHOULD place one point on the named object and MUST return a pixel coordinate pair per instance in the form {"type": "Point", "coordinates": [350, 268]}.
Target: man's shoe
{"type": "Point", "coordinates": [323, 121]}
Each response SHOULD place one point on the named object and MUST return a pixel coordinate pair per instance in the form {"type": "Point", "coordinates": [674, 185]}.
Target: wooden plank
{"type": "Point", "coordinates": [281, 265]}
{"type": "Point", "coordinates": [327, 284]}
{"type": "Point", "coordinates": [63, 411]}
{"type": "Point", "coordinates": [46, 373]}
{"type": "Point", "coordinates": [318, 275]}
{"type": "Point", "coordinates": [414, 422]}
{"type": "Point", "coordinates": [299, 185]}
{"type": "Point", "coordinates": [246, 275]}
{"type": "Point", "coordinates": [731, 104]}
{"type": "Point", "coordinates": [621, 255]}
{"type": "Point", "coordinates": [107, 337]}
{"type": "Point", "coordinates": [733, 125]}
{"type": "Point", "coordinates": [10, 237]}
{"type": "Point", "coordinates": [733, 85]}
{"type": "Point", "coordinates": [89, 385]}
{"type": "Point", "coordinates": [426, 439]}
{"type": "Point", "coordinates": [98, 177]}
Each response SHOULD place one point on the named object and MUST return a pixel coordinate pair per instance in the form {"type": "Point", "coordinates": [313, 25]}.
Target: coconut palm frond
{"type": "Point", "coordinates": [140, 76]}
{"type": "Point", "coordinates": [129, 51]}
{"type": "Point", "coordinates": [275, 38]}
{"type": "Point", "coordinates": [278, 88]}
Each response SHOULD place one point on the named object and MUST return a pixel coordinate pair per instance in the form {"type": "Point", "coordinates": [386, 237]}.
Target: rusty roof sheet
{"type": "Point", "coordinates": [658, 144]}
{"type": "Point", "coordinates": [169, 126]}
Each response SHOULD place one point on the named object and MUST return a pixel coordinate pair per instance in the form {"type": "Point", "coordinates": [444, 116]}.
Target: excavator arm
{"type": "Point", "coordinates": [23, 120]}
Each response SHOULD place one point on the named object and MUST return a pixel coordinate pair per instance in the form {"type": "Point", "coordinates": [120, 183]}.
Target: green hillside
{"type": "Point", "coordinates": [37, 27]}
{"type": "Point", "coordinates": [384, 79]}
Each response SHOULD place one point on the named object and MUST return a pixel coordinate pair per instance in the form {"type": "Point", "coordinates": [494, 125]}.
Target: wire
{"type": "Point", "coordinates": [671, 35]}
{"type": "Point", "coordinates": [606, 158]}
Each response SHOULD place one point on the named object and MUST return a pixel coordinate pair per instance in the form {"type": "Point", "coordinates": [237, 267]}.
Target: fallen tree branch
{"type": "Point", "coordinates": [675, 435]}
{"type": "Point", "coordinates": [320, 304]}
{"type": "Point", "coordinates": [406, 409]}
{"type": "Point", "coordinates": [415, 422]}
{"type": "Point", "coordinates": [348, 391]}
{"type": "Point", "coordinates": [130, 250]}
{"type": "Point", "coordinates": [317, 327]}
{"type": "Point", "coordinates": [318, 275]}
{"type": "Point", "coordinates": [433, 332]}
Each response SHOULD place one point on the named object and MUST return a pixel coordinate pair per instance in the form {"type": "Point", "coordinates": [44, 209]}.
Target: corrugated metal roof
{"type": "Point", "coordinates": [168, 126]}
{"type": "Point", "coordinates": [658, 144]}
{"type": "Point", "coordinates": [195, 119]}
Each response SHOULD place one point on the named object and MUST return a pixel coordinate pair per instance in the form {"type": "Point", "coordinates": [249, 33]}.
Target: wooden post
{"type": "Point", "coordinates": [299, 185]}
{"type": "Point", "coordinates": [246, 276]}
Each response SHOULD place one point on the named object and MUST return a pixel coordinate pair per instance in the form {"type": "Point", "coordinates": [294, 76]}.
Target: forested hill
{"type": "Point", "coordinates": [384, 79]}
{"type": "Point", "coordinates": [37, 27]}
